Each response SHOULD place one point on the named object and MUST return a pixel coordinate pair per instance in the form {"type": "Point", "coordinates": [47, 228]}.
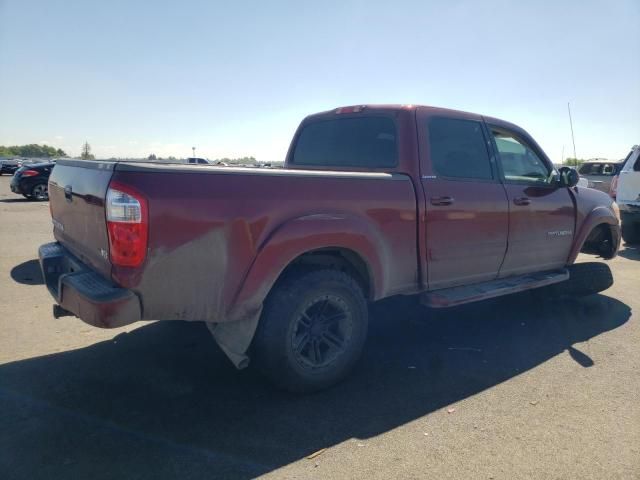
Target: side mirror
{"type": "Point", "coordinates": [568, 177]}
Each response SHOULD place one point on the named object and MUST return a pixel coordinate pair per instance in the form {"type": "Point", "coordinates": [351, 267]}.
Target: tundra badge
{"type": "Point", "coordinates": [560, 233]}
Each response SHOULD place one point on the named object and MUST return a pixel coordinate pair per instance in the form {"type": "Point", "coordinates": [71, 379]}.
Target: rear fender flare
{"type": "Point", "coordinates": [302, 235]}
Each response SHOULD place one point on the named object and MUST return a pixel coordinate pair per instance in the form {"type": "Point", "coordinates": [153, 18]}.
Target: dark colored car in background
{"type": "Point", "coordinates": [9, 165]}
{"type": "Point", "coordinates": [32, 181]}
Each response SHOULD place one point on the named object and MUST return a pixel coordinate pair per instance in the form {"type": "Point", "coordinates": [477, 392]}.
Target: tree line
{"type": "Point", "coordinates": [31, 151]}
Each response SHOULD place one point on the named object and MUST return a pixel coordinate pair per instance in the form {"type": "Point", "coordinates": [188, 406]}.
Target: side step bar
{"type": "Point", "coordinates": [449, 297]}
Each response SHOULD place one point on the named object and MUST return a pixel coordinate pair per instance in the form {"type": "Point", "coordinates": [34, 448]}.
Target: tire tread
{"type": "Point", "coordinates": [269, 353]}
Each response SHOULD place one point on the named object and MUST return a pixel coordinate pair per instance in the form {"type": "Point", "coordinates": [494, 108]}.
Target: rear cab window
{"type": "Point", "coordinates": [602, 169]}
{"type": "Point", "coordinates": [358, 142]}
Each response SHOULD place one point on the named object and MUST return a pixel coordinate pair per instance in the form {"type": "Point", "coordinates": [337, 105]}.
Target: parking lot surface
{"type": "Point", "coordinates": [519, 387]}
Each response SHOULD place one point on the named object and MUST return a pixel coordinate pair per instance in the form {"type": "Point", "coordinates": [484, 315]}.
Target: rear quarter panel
{"type": "Point", "coordinates": [219, 238]}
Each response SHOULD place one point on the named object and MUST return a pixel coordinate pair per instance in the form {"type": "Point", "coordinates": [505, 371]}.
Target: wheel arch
{"type": "Point", "coordinates": [343, 242]}
{"type": "Point", "coordinates": [599, 224]}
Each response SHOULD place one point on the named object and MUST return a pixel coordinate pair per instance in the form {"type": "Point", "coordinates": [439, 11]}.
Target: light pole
{"type": "Point", "coordinates": [575, 156]}
{"type": "Point", "coordinates": [193, 149]}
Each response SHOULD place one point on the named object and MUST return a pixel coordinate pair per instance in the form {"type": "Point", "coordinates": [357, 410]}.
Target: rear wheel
{"type": "Point", "coordinates": [40, 192]}
{"type": "Point", "coordinates": [312, 330]}
{"type": "Point", "coordinates": [585, 279]}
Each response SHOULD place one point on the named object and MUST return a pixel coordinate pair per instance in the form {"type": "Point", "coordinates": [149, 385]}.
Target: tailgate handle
{"type": "Point", "coordinates": [68, 193]}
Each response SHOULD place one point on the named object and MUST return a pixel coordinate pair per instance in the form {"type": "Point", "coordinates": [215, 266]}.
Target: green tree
{"type": "Point", "coordinates": [152, 157]}
{"type": "Point", "coordinates": [86, 152]}
{"type": "Point", "coordinates": [573, 162]}
{"type": "Point", "coordinates": [32, 151]}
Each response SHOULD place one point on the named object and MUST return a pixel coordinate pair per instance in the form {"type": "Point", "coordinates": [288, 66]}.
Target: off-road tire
{"type": "Point", "coordinates": [630, 232]}
{"type": "Point", "coordinates": [585, 279]}
{"type": "Point", "coordinates": [273, 351]}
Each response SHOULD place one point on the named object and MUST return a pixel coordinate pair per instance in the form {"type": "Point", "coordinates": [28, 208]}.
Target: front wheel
{"type": "Point", "coordinates": [585, 279]}
{"type": "Point", "coordinates": [312, 330]}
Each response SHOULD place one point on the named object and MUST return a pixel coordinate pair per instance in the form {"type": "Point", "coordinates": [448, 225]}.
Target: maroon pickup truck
{"type": "Point", "coordinates": [373, 201]}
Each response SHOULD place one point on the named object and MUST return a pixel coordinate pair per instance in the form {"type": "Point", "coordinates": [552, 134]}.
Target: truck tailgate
{"type": "Point", "coordinates": [77, 191]}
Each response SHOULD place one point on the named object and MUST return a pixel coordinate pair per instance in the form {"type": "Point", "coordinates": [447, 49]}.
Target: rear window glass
{"type": "Point", "coordinates": [458, 149]}
{"type": "Point", "coordinates": [348, 142]}
{"type": "Point", "coordinates": [606, 169]}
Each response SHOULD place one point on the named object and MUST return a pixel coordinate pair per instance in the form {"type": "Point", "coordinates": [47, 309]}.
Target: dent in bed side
{"type": "Point", "coordinates": [284, 245]}
{"type": "Point", "coordinates": [306, 234]}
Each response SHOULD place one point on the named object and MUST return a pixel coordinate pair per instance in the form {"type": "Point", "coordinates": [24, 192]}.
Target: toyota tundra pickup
{"type": "Point", "coordinates": [374, 201]}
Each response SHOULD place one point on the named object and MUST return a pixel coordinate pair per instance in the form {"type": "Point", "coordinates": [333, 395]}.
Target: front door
{"type": "Point", "coordinates": [466, 205]}
{"type": "Point", "coordinates": [541, 212]}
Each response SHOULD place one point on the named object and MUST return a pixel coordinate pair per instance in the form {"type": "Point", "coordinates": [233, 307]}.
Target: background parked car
{"type": "Point", "coordinates": [600, 173]}
{"type": "Point", "coordinates": [198, 161]}
{"type": "Point", "coordinates": [32, 181]}
{"type": "Point", "coordinates": [9, 165]}
{"type": "Point", "coordinates": [628, 196]}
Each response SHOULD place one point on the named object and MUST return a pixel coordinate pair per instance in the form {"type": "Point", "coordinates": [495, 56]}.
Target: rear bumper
{"type": "Point", "coordinates": [15, 187]}
{"type": "Point", "coordinates": [85, 293]}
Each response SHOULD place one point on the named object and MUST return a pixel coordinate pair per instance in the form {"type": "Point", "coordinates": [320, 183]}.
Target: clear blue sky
{"type": "Point", "coordinates": [234, 78]}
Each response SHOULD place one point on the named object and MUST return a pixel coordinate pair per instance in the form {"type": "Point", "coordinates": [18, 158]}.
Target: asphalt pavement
{"type": "Point", "coordinates": [521, 387]}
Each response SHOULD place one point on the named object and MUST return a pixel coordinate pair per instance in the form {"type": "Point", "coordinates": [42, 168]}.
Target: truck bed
{"type": "Point", "coordinates": [208, 225]}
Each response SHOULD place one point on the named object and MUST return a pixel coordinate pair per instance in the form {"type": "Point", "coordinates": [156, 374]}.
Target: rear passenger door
{"type": "Point", "coordinates": [541, 211]}
{"type": "Point", "coordinates": [466, 205]}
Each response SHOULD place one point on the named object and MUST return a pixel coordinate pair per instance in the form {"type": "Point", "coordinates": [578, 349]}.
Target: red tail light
{"type": "Point", "coordinates": [128, 225]}
{"type": "Point", "coordinates": [29, 173]}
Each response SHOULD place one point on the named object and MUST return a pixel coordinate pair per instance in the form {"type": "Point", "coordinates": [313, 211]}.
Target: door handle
{"type": "Point", "coordinates": [441, 201]}
{"type": "Point", "coordinates": [521, 201]}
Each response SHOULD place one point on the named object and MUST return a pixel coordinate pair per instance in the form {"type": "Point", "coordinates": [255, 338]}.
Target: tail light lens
{"type": "Point", "coordinates": [29, 173]}
{"type": "Point", "coordinates": [127, 223]}
{"type": "Point", "coordinates": [613, 189]}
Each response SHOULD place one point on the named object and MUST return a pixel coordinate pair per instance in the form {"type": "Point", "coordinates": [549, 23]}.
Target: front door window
{"type": "Point", "coordinates": [520, 164]}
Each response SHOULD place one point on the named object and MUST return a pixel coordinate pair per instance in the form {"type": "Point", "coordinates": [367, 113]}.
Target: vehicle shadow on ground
{"type": "Point", "coordinates": [15, 200]}
{"type": "Point", "coordinates": [630, 252]}
{"type": "Point", "coordinates": [162, 401]}
{"type": "Point", "coordinates": [28, 273]}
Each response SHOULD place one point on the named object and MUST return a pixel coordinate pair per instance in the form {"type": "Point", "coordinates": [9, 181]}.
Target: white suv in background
{"type": "Point", "coordinates": [628, 196]}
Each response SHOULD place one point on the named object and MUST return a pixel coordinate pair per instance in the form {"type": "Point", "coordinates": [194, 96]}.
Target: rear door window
{"type": "Point", "coordinates": [361, 142]}
{"type": "Point", "coordinates": [458, 149]}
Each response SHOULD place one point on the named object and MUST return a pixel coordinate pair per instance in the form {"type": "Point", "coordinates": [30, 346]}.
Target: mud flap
{"type": "Point", "coordinates": [234, 338]}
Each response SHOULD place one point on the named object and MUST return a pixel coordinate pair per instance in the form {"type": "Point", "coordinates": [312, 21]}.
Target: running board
{"type": "Point", "coordinates": [449, 297]}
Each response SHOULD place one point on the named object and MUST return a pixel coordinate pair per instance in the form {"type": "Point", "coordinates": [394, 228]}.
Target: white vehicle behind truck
{"type": "Point", "coordinates": [628, 196]}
